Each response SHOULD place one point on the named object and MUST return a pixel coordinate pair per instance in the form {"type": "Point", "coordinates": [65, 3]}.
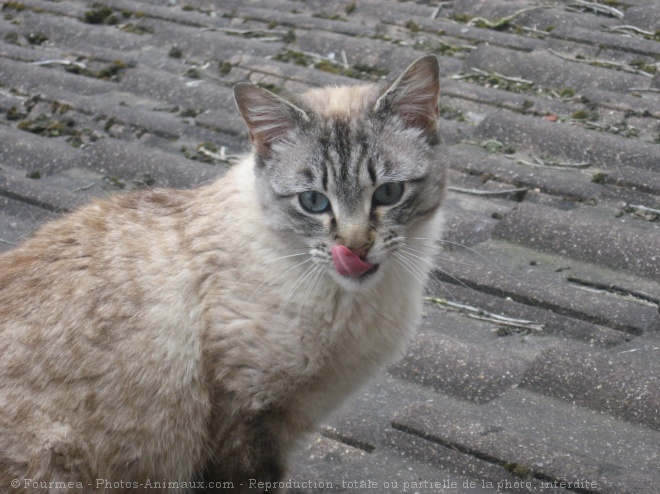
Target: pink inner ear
{"type": "Point", "coordinates": [348, 263]}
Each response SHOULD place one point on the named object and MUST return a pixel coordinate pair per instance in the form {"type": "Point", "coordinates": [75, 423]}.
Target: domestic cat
{"type": "Point", "coordinates": [168, 336]}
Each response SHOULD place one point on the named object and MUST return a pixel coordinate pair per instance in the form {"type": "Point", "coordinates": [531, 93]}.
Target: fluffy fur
{"type": "Point", "coordinates": [184, 335]}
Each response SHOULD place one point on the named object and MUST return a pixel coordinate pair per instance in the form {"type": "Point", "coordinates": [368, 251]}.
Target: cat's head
{"type": "Point", "coordinates": [347, 174]}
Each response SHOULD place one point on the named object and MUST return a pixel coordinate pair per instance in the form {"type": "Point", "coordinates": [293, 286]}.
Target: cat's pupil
{"type": "Point", "coordinates": [314, 202]}
{"type": "Point", "coordinates": [388, 193]}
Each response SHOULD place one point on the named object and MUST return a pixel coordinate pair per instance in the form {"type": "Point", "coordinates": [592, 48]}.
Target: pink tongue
{"type": "Point", "coordinates": [348, 263]}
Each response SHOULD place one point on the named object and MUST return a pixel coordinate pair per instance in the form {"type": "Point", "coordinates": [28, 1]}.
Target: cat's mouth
{"type": "Point", "coordinates": [349, 264]}
{"type": "Point", "coordinates": [371, 271]}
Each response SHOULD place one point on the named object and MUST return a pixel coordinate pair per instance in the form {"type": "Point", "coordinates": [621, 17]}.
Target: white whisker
{"type": "Point", "coordinates": [440, 284]}
{"type": "Point", "coordinates": [408, 266]}
{"type": "Point", "coordinates": [434, 266]}
{"type": "Point", "coordinates": [273, 280]}
{"type": "Point", "coordinates": [286, 257]}
{"type": "Point", "coordinates": [469, 249]}
{"type": "Point", "coordinates": [415, 248]}
{"type": "Point", "coordinates": [301, 279]}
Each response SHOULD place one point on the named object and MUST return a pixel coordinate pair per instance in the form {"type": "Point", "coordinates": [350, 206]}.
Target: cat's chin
{"type": "Point", "coordinates": [361, 283]}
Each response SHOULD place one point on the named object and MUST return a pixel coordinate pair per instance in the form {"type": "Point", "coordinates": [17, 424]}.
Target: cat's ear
{"type": "Point", "coordinates": [414, 95]}
{"type": "Point", "coordinates": [268, 116]}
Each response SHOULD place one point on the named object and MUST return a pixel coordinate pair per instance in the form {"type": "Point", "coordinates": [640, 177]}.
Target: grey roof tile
{"type": "Point", "coordinates": [645, 17]}
{"type": "Point", "coordinates": [594, 379]}
{"type": "Point", "coordinates": [28, 152]}
{"type": "Point", "coordinates": [15, 185]}
{"type": "Point", "coordinates": [593, 235]}
{"type": "Point", "coordinates": [519, 433]}
{"type": "Point", "coordinates": [549, 70]}
{"type": "Point", "coordinates": [569, 142]}
{"type": "Point", "coordinates": [129, 162]}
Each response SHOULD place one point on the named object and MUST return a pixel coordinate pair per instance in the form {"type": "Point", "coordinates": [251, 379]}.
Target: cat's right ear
{"type": "Point", "coordinates": [269, 117]}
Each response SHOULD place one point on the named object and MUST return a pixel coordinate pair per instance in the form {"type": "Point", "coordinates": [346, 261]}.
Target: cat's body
{"type": "Point", "coordinates": [175, 335]}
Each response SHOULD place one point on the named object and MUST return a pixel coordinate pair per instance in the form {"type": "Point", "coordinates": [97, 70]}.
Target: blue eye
{"type": "Point", "coordinates": [388, 193]}
{"type": "Point", "coordinates": [314, 202]}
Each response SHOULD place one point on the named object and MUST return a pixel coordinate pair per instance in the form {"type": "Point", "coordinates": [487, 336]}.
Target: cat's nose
{"type": "Point", "coordinates": [360, 251]}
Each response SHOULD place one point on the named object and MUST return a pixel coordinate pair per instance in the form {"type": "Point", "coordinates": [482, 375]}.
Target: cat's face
{"type": "Point", "coordinates": [347, 175]}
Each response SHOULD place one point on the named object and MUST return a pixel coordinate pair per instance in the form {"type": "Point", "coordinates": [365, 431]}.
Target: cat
{"type": "Point", "coordinates": [177, 335]}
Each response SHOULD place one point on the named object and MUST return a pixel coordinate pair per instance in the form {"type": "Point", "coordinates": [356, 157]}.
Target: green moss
{"type": "Point", "coordinates": [641, 64]}
{"type": "Point", "coordinates": [79, 70]}
{"type": "Point", "coordinates": [137, 29]}
{"type": "Point", "coordinates": [440, 48]}
{"type": "Point", "coordinates": [272, 24]}
{"type": "Point", "coordinates": [413, 26]}
{"type": "Point", "coordinates": [35, 175]}
{"type": "Point", "coordinates": [449, 113]}
{"type": "Point", "coordinates": [358, 71]}
{"type": "Point", "coordinates": [289, 37]}
{"type": "Point", "coordinates": [46, 126]}
{"type": "Point", "coordinates": [17, 6]}
{"type": "Point", "coordinates": [193, 73]}
{"type": "Point", "coordinates": [599, 178]}
{"type": "Point", "coordinates": [112, 71]}
{"type": "Point", "coordinates": [190, 112]}
{"type": "Point", "coordinates": [350, 8]}
{"type": "Point", "coordinates": [98, 14]}
{"type": "Point", "coordinates": [144, 181]}
{"type": "Point", "coordinates": [295, 57]}
{"type": "Point", "coordinates": [580, 115]}
{"type": "Point", "coordinates": [175, 52]}
{"type": "Point", "coordinates": [366, 72]}
{"type": "Point", "coordinates": [188, 8]}
{"type": "Point", "coordinates": [37, 38]}
{"type": "Point", "coordinates": [330, 17]}
{"type": "Point", "coordinates": [109, 123]}
{"type": "Point", "coordinates": [507, 84]}
{"type": "Point", "coordinates": [11, 38]}
{"type": "Point", "coordinates": [224, 68]}
{"type": "Point", "coordinates": [549, 29]}
{"type": "Point", "coordinates": [327, 66]}
{"type": "Point", "coordinates": [14, 113]}
{"type": "Point", "coordinates": [61, 108]}
{"type": "Point", "coordinates": [115, 182]}
{"type": "Point", "coordinates": [208, 145]}
{"type": "Point", "coordinates": [567, 93]}
{"type": "Point", "coordinates": [269, 86]}
{"type": "Point", "coordinates": [462, 18]}
{"type": "Point", "coordinates": [495, 146]}
{"type": "Point", "coordinates": [517, 469]}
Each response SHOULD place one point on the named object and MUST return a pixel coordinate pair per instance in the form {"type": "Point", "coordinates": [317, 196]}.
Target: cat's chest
{"type": "Point", "coordinates": [359, 338]}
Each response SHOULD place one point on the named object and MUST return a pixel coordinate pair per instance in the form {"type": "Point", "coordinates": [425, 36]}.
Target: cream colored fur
{"type": "Point", "coordinates": [125, 402]}
{"type": "Point", "coordinates": [173, 335]}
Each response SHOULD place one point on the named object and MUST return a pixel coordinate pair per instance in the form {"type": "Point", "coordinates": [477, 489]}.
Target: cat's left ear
{"type": "Point", "coordinates": [268, 116]}
{"type": "Point", "coordinates": [414, 96]}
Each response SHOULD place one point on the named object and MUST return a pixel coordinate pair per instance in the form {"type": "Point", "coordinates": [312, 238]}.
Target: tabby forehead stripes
{"type": "Point", "coordinates": [346, 151]}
